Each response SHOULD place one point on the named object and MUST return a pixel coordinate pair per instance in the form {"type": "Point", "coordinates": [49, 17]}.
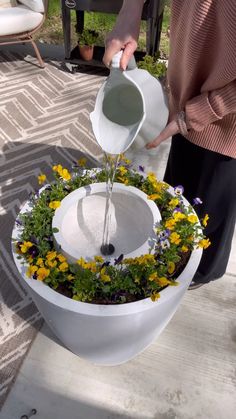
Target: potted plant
{"type": "Point", "coordinates": [86, 43]}
{"type": "Point", "coordinates": [103, 310]}
{"type": "Point", "coordinates": [156, 67]}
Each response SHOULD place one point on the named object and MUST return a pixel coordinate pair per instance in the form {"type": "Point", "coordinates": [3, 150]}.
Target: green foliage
{"type": "Point", "coordinates": [88, 37]}
{"type": "Point", "coordinates": [153, 65]}
{"type": "Point", "coordinates": [100, 22]}
{"type": "Point", "coordinates": [54, 7]}
{"type": "Point", "coordinates": [166, 17]}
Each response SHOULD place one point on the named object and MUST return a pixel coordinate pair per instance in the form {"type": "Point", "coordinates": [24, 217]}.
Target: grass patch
{"type": "Point", "coordinates": [54, 8]}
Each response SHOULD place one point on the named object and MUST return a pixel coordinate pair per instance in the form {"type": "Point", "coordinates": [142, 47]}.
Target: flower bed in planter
{"type": "Point", "coordinates": [107, 310]}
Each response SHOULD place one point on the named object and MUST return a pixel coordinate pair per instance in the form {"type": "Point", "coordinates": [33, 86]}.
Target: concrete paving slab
{"type": "Point", "coordinates": [189, 372]}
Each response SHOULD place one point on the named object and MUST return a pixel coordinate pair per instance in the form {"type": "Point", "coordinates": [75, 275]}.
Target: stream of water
{"type": "Point", "coordinates": [111, 164]}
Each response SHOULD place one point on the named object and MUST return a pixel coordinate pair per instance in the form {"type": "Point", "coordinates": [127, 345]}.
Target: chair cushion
{"type": "Point", "coordinates": [8, 3]}
{"type": "Point", "coordinates": [16, 20]}
{"type": "Point", "coordinates": [35, 5]}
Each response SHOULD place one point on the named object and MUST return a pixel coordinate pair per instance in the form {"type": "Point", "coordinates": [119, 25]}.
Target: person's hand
{"type": "Point", "coordinates": [125, 33]}
{"type": "Point", "coordinates": [171, 129]}
{"type": "Point", "coordinates": [117, 41]}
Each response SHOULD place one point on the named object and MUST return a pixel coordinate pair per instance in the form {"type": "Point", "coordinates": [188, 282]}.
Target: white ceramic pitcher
{"type": "Point", "coordinates": [130, 104]}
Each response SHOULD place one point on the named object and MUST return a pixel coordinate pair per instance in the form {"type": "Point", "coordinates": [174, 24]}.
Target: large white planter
{"type": "Point", "coordinates": [107, 334]}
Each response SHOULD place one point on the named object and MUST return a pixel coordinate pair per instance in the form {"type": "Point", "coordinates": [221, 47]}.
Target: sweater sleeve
{"type": "Point", "coordinates": [209, 107]}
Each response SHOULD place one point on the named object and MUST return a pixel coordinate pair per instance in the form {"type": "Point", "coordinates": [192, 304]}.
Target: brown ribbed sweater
{"type": "Point", "coordinates": [202, 71]}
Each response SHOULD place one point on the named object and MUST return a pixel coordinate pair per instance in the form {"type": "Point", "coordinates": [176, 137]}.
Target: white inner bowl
{"type": "Point", "coordinates": [80, 221]}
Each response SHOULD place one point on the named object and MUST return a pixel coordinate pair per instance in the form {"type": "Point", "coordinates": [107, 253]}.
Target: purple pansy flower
{"type": "Point", "coordinates": [179, 190]}
{"type": "Point", "coordinates": [164, 234]}
{"type": "Point", "coordinates": [197, 201]}
{"type": "Point", "coordinates": [119, 259]}
{"type": "Point", "coordinates": [178, 209]}
{"type": "Point", "coordinates": [141, 168]}
{"type": "Point", "coordinates": [74, 165]}
{"type": "Point", "coordinates": [33, 251]}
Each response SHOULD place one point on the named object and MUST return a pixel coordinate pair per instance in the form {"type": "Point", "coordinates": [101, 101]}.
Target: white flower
{"type": "Point", "coordinates": [165, 244]}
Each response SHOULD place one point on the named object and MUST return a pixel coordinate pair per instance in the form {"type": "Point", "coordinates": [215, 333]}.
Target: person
{"type": "Point", "coordinates": [202, 112]}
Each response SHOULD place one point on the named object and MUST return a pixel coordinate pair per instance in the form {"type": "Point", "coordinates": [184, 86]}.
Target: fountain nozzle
{"type": "Point", "coordinates": [107, 249]}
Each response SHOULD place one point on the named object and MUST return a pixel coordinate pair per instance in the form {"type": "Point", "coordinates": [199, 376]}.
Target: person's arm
{"type": "Point", "coordinates": [200, 112]}
{"type": "Point", "coordinates": [209, 107]}
{"type": "Point", "coordinates": [125, 33]}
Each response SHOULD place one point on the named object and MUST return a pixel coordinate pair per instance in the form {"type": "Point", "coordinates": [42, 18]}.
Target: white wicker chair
{"type": "Point", "coordinates": [18, 24]}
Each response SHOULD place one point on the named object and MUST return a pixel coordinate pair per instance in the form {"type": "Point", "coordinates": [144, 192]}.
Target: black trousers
{"type": "Point", "coordinates": [212, 177]}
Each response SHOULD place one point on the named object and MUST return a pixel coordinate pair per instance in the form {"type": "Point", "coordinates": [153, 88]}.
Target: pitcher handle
{"type": "Point", "coordinates": [115, 63]}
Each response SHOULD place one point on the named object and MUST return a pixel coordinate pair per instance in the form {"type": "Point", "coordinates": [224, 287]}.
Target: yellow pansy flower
{"type": "Point", "coordinates": [51, 263]}
{"type": "Point", "coordinates": [54, 204]}
{"type": "Point", "coordinates": [151, 176]}
{"type": "Point", "coordinates": [122, 170]}
{"type": "Point", "coordinates": [204, 243]}
{"type": "Point", "coordinates": [171, 267]}
{"type": "Point", "coordinates": [25, 247]}
{"type": "Point", "coordinates": [99, 259]}
{"type": "Point", "coordinates": [123, 180]}
{"type": "Point", "coordinates": [163, 281]}
{"type": "Point", "coordinates": [173, 203]}
{"type": "Point", "coordinates": [51, 255]}
{"type": "Point", "coordinates": [145, 259]}
{"type": "Point", "coordinates": [153, 276]}
{"type": "Point", "coordinates": [31, 270]}
{"type": "Point", "coordinates": [42, 273]}
{"type": "Point", "coordinates": [155, 296]}
{"type": "Point", "coordinates": [41, 179]}
{"type": "Point", "coordinates": [40, 262]}
{"type": "Point", "coordinates": [65, 174]}
{"type": "Point", "coordinates": [192, 218]}
{"type": "Point", "coordinates": [104, 276]}
{"type": "Point", "coordinates": [61, 258]}
{"type": "Point", "coordinates": [122, 156]}
{"type": "Point", "coordinates": [170, 224]}
{"type": "Point", "coordinates": [57, 168]}
{"type": "Point", "coordinates": [92, 266]}
{"type": "Point", "coordinates": [30, 259]}
{"type": "Point", "coordinates": [120, 178]}
{"type": "Point", "coordinates": [82, 162]}
{"type": "Point", "coordinates": [175, 238]}
{"type": "Point", "coordinates": [70, 277]}
{"type": "Point", "coordinates": [154, 196]}
{"type": "Point", "coordinates": [124, 159]}
{"type": "Point", "coordinates": [81, 262]}
{"type": "Point", "coordinates": [205, 220]}
{"type": "Point", "coordinates": [63, 267]}
{"type": "Point", "coordinates": [128, 261]}
{"type": "Point", "coordinates": [184, 249]}
{"type": "Point", "coordinates": [178, 216]}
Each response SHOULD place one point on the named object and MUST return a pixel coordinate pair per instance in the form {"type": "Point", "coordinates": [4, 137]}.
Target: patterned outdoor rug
{"type": "Point", "coordinates": [44, 119]}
